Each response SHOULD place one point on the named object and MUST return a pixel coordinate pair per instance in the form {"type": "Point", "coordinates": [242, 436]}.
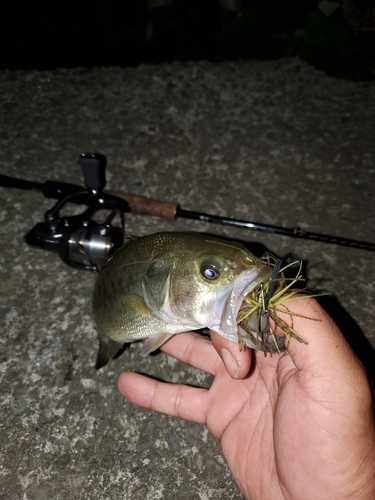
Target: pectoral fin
{"type": "Point", "coordinates": [153, 343]}
{"type": "Point", "coordinates": [128, 320]}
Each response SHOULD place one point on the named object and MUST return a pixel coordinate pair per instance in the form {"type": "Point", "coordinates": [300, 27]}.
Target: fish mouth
{"type": "Point", "coordinates": [242, 286]}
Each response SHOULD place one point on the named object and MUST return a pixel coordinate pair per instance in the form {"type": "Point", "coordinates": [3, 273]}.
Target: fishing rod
{"type": "Point", "coordinates": [85, 244]}
{"type": "Point", "coordinates": [146, 206]}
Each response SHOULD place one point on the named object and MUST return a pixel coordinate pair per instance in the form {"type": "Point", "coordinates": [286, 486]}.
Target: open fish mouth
{"type": "Point", "coordinates": [249, 308]}
{"type": "Point", "coordinates": [242, 285]}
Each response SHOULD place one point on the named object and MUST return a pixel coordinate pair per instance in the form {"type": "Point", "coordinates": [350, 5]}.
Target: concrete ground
{"type": "Point", "coordinates": [273, 142]}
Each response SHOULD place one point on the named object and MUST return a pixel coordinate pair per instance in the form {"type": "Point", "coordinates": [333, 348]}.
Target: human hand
{"type": "Point", "coordinates": [295, 426]}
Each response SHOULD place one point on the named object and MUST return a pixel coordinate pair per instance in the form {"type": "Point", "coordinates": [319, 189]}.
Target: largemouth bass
{"type": "Point", "coordinates": [163, 284]}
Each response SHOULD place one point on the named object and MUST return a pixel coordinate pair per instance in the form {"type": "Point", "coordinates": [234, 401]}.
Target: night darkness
{"type": "Point", "coordinates": [335, 37]}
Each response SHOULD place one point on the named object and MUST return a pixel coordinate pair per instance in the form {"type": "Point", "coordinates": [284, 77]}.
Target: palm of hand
{"type": "Point", "coordinates": [247, 416]}
{"type": "Point", "coordinates": [282, 428]}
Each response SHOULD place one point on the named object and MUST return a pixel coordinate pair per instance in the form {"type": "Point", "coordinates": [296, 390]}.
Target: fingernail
{"type": "Point", "coordinates": [231, 364]}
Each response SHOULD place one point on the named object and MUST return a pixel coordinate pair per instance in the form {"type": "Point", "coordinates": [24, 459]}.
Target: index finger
{"type": "Point", "coordinates": [194, 349]}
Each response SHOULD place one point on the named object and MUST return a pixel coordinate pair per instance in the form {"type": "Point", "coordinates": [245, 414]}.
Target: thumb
{"type": "Point", "coordinates": [326, 344]}
{"type": "Point", "coordinates": [327, 359]}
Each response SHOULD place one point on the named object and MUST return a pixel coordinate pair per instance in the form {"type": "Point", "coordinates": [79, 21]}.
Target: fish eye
{"type": "Point", "coordinates": [210, 272]}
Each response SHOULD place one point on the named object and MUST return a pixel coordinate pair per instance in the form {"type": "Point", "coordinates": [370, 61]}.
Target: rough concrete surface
{"type": "Point", "coordinates": [273, 142]}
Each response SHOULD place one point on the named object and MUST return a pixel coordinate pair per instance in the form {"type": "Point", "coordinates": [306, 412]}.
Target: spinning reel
{"type": "Point", "coordinates": [80, 241]}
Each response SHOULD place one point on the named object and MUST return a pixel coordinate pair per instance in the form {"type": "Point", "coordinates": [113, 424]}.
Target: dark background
{"type": "Point", "coordinates": [335, 37]}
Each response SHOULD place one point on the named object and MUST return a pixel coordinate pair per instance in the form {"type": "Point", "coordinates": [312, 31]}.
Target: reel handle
{"type": "Point", "coordinates": [93, 170]}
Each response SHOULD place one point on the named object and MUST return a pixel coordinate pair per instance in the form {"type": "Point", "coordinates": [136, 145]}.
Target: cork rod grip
{"type": "Point", "coordinates": [140, 205]}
